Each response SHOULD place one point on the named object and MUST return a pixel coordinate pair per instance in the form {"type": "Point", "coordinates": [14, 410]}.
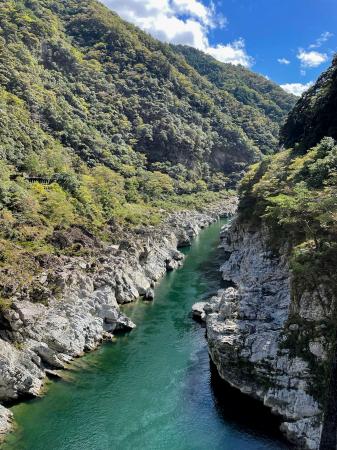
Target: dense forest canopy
{"type": "Point", "coordinates": [257, 105]}
{"type": "Point", "coordinates": [314, 116]}
{"type": "Point", "coordinates": [120, 126]}
{"type": "Point", "coordinates": [114, 95]}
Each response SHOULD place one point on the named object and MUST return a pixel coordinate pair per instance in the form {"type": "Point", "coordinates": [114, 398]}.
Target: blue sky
{"type": "Point", "coordinates": [289, 41]}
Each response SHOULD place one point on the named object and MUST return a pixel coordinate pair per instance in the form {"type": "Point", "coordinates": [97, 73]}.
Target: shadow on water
{"type": "Point", "coordinates": [208, 395]}
{"type": "Point", "coordinates": [244, 412]}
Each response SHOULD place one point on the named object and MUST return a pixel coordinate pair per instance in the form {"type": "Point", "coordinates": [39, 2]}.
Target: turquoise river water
{"type": "Point", "coordinates": [152, 389]}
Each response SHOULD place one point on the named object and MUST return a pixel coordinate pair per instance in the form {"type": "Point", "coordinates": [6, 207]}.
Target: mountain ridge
{"type": "Point", "coordinates": [122, 126]}
{"type": "Point", "coordinates": [86, 38]}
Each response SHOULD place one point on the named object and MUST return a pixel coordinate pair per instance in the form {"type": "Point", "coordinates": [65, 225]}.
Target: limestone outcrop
{"type": "Point", "coordinates": [253, 324]}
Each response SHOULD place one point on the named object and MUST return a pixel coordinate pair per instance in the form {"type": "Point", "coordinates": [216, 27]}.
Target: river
{"type": "Point", "coordinates": [152, 389]}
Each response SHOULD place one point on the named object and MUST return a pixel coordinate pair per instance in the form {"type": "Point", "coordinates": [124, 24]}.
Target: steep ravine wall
{"type": "Point", "coordinates": [38, 338]}
{"type": "Point", "coordinates": [267, 340]}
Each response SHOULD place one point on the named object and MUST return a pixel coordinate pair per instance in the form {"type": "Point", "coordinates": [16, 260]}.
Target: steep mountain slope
{"type": "Point", "coordinates": [314, 116]}
{"type": "Point", "coordinates": [106, 90]}
{"type": "Point", "coordinates": [261, 105]}
{"type": "Point", "coordinates": [100, 123]}
{"type": "Point", "coordinates": [274, 334]}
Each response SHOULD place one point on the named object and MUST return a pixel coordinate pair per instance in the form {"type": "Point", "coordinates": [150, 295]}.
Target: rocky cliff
{"type": "Point", "coordinates": [37, 338]}
{"type": "Point", "coordinates": [273, 333]}
{"type": "Point", "coordinates": [264, 340]}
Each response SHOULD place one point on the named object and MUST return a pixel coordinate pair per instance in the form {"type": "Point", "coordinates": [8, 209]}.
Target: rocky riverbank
{"type": "Point", "coordinates": [263, 341]}
{"type": "Point", "coordinates": [80, 298]}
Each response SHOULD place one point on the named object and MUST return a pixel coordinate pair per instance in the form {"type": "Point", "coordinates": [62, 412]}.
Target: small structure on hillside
{"type": "Point", "coordinates": [31, 179]}
{"type": "Point", "coordinates": [41, 180]}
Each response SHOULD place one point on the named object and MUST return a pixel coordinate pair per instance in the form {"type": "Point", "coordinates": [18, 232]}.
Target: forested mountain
{"type": "Point", "coordinates": [314, 116]}
{"type": "Point", "coordinates": [295, 191]}
{"type": "Point", "coordinates": [118, 125]}
{"type": "Point", "coordinates": [99, 86]}
{"type": "Point", "coordinates": [299, 183]}
{"type": "Point", "coordinates": [257, 105]}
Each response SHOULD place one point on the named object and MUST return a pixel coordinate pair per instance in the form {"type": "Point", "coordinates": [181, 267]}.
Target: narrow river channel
{"type": "Point", "coordinates": [154, 388]}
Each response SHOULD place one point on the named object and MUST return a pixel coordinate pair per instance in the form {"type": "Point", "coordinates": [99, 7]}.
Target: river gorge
{"type": "Point", "coordinates": [153, 388]}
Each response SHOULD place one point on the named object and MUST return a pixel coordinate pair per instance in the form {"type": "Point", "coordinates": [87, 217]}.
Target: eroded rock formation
{"type": "Point", "coordinates": [84, 295]}
{"type": "Point", "coordinates": [254, 329]}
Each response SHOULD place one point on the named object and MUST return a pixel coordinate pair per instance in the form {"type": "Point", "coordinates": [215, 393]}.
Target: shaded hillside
{"type": "Point", "coordinates": [260, 105]}
{"type": "Point", "coordinates": [107, 91]}
{"type": "Point", "coordinates": [315, 114]}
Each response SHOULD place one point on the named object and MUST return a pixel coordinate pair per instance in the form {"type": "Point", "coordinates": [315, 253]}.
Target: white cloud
{"type": "Point", "coordinates": [322, 39]}
{"type": "Point", "coordinates": [185, 22]}
{"type": "Point", "coordinates": [193, 8]}
{"type": "Point", "coordinates": [312, 58]}
{"type": "Point", "coordinates": [296, 88]}
{"type": "Point", "coordinates": [283, 61]}
{"type": "Point", "coordinates": [234, 53]}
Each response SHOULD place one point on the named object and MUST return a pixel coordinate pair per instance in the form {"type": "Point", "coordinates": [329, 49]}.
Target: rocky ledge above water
{"type": "Point", "coordinates": [81, 301]}
{"type": "Point", "coordinates": [252, 330]}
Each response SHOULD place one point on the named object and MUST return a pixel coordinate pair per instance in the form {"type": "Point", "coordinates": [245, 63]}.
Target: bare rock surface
{"type": "Point", "coordinates": [198, 311]}
{"type": "Point", "coordinates": [6, 421]}
{"type": "Point", "coordinates": [250, 328]}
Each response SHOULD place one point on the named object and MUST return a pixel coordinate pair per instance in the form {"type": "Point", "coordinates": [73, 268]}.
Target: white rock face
{"type": "Point", "coordinates": [198, 311]}
{"type": "Point", "coordinates": [6, 420]}
{"type": "Point", "coordinates": [38, 338]}
{"type": "Point", "coordinates": [248, 326]}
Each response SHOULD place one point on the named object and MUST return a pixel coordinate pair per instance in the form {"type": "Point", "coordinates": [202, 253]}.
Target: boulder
{"type": "Point", "coordinates": [198, 312]}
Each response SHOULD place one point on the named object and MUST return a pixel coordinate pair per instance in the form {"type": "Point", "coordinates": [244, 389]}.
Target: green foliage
{"type": "Point", "coordinates": [258, 106]}
{"type": "Point", "coordinates": [73, 74]}
{"type": "Point", "coordinates": [314, 115]}
{"type": "Point", "coordinates": [5, 304]}
{"type": "Point", "coordinates": [101, 123]}
{"type": "Point", "coordinates": [295, 192]}
{"type": "Point", "coordinates": [295, 195]}
{"type": "Point", "coordinates": [156, 185]}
